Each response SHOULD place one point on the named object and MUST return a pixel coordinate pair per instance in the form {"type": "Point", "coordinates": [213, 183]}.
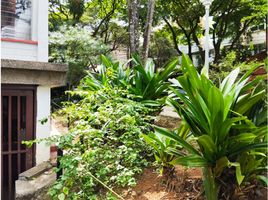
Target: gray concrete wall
{"type": "Point", "coordinates": [33, 73]}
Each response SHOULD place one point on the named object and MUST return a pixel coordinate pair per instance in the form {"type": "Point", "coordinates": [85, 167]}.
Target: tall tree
{"type": "Point", "coordinates": [148, 29]}
{"type": "Point", "coordinates": [182, 18]}
{"type": "Point", "coordinates": [233, 19]}
{"type": "Point", "coordinates": [133, 19]}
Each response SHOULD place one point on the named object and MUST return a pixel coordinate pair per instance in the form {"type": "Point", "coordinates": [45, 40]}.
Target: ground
{"type": "Point", "coordinates": [151, 186]}
{"type": "Point", "coordinates": [187, 185]}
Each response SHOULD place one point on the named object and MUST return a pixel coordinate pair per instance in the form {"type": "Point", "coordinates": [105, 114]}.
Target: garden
{"type": "Point", "coordinates": [114, 149]}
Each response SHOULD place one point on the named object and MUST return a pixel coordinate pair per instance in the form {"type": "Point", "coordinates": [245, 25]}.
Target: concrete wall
{"type": "Point", "coordinates": [42, 130]}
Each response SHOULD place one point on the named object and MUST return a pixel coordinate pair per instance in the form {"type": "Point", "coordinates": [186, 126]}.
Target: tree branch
{"type": "Point", "coordinates": [174, 36]}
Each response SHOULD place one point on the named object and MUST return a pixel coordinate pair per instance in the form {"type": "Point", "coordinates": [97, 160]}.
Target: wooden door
{"type": "Point", "coordinates": [17, 126]}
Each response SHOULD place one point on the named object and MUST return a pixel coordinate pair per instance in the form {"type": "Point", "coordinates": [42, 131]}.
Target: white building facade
{"type": "Point", "coordinates": [26, 80]}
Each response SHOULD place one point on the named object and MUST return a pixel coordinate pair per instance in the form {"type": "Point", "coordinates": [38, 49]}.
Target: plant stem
{"type": "Point", "coordinates": [106, 186]}
{"type": "Point", "coordinates": [210, 184]}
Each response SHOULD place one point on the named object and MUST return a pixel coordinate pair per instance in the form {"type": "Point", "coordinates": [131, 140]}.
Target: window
{"type": "Point", "coordinates": [16, 19]}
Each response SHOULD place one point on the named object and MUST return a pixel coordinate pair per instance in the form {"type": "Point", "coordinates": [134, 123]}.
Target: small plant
{"type": "Point", "coordinates": [165, 148]}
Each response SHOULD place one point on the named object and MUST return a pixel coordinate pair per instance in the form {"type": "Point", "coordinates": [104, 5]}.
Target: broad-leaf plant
{"type": "Point", "coordinates": [224, 133]}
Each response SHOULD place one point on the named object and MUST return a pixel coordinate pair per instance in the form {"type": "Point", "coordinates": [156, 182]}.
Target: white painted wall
{"type": "Point", "coordinates": [18, 51]}
{"type": "Point", "coordinates": [259, 37]}
{"type": "Point", "coordinates": [42, 30]}
{"type": "Point", "coordinates": [42, 130]}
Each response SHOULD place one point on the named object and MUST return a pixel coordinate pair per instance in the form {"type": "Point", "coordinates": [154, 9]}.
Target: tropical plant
{"type": "Point", "coordinates": [161, 144]}
{"type": "Point", "coordinates": [220, 131]}
{"type": "Point", "coordinates": [165, 148]}
{"type": "Point", "coordinates": [149, 83]}
{"type": "Point", "coordinates": [109, 74]}
{"type": "Point", "coordinates": [141, 80]}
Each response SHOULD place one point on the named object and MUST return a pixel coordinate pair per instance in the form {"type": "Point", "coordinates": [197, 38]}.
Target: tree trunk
{"type": "Point", "coordinates": [217, 50]}
{"type": "Point", "coordinates": [201, 50]}
{"type": "Point", "coordinates": [148, 29]}
{"type": "Point", "coordinates": [174, 36]}
{"type": "Point", "coordinates": [133, 26]}
{"type": "Point", "coordinates": [189, 47]}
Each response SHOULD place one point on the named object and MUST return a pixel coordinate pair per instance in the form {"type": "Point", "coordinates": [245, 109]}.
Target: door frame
{"type": "Point", "coordinates": [34, 89]}
{"type": "Point", "coordinates": [18, 89]}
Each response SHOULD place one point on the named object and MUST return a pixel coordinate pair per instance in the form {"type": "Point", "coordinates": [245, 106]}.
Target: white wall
{"type": "Point", "coordinates": [42, 30]}
{"type": "Point", "coordinates": [42, 130]}
{"type": "Point", "coordinates": [18, 51]}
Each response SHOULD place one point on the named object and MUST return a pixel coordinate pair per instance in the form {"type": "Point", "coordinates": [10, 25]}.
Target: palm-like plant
{"type": "Point", "coordinates": [218, 123]}
{"type": "Point", "coordinates": [141, 80]}
{"type": "Point", "coordinates": [149, 83]}
{"type": "Point", "coordinates": [110, 74]}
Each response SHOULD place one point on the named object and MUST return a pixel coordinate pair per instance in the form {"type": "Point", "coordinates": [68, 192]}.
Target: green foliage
{"type": "Point", "coordinates": [227, 64]}
{"type": "Point", "coordinates": [141, 80]}
{"type": "Point", "coordinates": [233, 19]}
{"type": "Point", "coordinates": [76, 47]}
{"type": "Point", "coordinates": [224, 134]}
{"type": "Point", "coordinates": [161, 49]}
{"type": "Point", "coordinates": [149, 83]}
{"type": "Point", "coordinates": [103, 143]}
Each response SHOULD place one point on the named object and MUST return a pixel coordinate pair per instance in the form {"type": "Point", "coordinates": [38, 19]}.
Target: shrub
{"type": "Point", "coordinates": [103, 146]}
{"type": "Point", "coordinates": [76, 47]}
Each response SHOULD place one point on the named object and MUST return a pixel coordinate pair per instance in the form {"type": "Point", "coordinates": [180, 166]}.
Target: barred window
{"type": "Point", "coordinates": [16, 19]}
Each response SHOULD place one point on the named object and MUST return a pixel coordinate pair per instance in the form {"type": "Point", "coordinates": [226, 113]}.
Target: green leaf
{"type": "Point", "coordinates": [65, 190]}
{"type": "Point", "coordinates": [168, 69]}
{"type": "Point", "coordinates": [245, 103]}
{"type": "Point", "coordinates": [220, 165]}
{"type": "Point", "coordinates": [209, 147]}
{"type": "Point", "coordinates": [228, 82]}
{"type": "Point", "coordinates": [177, 138]}
{"type": "Point", "coordinates": [61, 196]}
{"type": "Point", "coordinates": [190, 161]}
{"type": "Point", "coordinates": [238, 173]}
{"type": "Point", "coordinates": [264, 179]}
{"type": "Point", "coordinates": [244, 138]}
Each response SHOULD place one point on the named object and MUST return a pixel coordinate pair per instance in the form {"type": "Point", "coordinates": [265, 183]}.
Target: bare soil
{"type": "Point", "coordinates": [151, 186]}
{"type": "Point", "coordinates": [186, 186]}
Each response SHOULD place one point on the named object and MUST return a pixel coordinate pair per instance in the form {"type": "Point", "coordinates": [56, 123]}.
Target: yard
{"type": "Point", "coordinates": [113, 145]}
{"type": "Point", "coordinates": [205, 68]}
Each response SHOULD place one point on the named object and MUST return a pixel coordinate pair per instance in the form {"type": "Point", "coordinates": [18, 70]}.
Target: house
{"type": "Point", "coordinates": [26, 80]}
{"type": "Point", "coordinates": [257, 43]}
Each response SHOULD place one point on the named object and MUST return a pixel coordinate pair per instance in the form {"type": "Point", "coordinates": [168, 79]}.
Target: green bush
{"type": "Point", "coordinates": [76, 47]}
{"type": "Point", "coordinates": [219, 71]}
{"type": "Point", "coordinates": [103, 143]}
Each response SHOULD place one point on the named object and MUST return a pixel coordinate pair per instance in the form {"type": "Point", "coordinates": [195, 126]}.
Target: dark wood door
{"type": "Point", "coordinates": [17, 126]}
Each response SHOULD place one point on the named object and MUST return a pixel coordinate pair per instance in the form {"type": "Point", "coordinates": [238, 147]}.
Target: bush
{"type": "Point", "coordinates": [103, 146]}
{"type": "Point", "coordinates": [76, 47]}
{"type": "Point", "coordinates": [229, 63]}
